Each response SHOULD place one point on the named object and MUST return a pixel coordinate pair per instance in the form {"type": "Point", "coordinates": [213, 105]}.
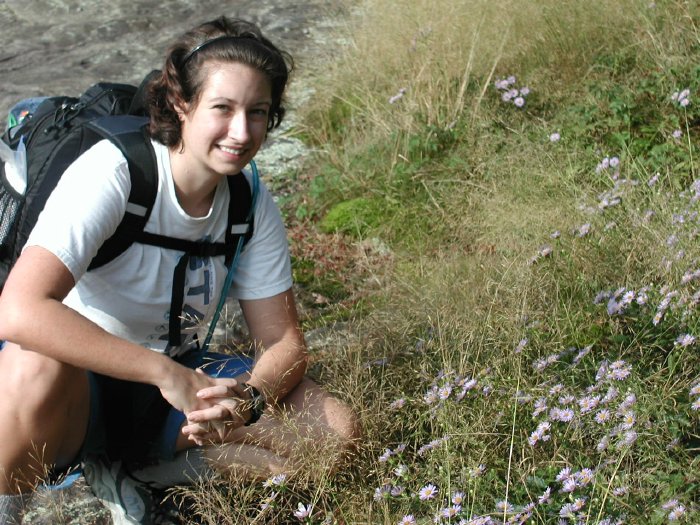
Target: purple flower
{"type": "Point", "coordinates": [588, 403]}
{"type": "Point", "coordinates": [504, 506]}
{"type": "Point", "coordinates": [569, 485]}
{"type": "Point", "coordinates": [397, 490]}
{"type": "Point", "coordinates": [444, 392]}
{"type": "Point", "coordinates": [427, 492]}
{"type": "Point", "coordinates": [303, 511]}
{"type": "Point", "coordinates": [583, 230]}
{"type": "Point", "coordinates": [670, 504]}
{"type": "Point", "coordinates": [451, 511]}
{"type": "Point", "coordinates": [584, 477]}
{"type": "Point", "coordinates": [382, 492]}
{"type": "Point", "coordinates": [545, 498]}
{"type": "Point", "coordinates": [398, 404]}
{"type": "Point", "coordinates": [394, 99]}
{"type": "Point", "coordinates": [603, 416]}
{"type": "Point", "coordinates": [408, 519]}
{"type": "Point", "coordinates": [275, 481]}
{"type": "Point", "coordinates": [628, 438]}
{"type": "Point", "coordinates": [685, 340]}
{"type": "Point", "coordinates": [620, 491]}
{"type": "Point", "coordinates": [564, 415]}
{"type": "Point", "coordinates": [477, 471]}
{"type": "Point", "coordinates": [385, 456]}
{"type": "Point", "coordinates": [677, 134]}
{"type": "Point", "coordinates": [564, 474]}
{"type": "Point", "coordinates": [677, 513]}
{"type": "Point", "coordinates": [554, 137]}
{"type": "Point", "coordinates": [521, 345]}
{"type": "Point", "coordinates": [519, 101]}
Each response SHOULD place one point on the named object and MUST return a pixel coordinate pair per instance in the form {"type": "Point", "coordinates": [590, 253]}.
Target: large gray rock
{"type": "Point", "coordinates": [63, 46]}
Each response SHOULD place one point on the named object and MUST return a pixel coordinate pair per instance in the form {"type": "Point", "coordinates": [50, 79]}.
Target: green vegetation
{"type": "Point", "coordinates": [521, 269]}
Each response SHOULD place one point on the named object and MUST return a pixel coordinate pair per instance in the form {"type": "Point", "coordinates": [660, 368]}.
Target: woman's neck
{"type": "Point", "coordinates": [194, 191]}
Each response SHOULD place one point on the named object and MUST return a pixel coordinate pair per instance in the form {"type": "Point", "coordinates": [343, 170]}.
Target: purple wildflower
{"type": "Point", "coordinates": [685, 340]}
{"type": "Point", "coordinates": [399, 95]}
{"type": "Point", "coordinates": [583, 230]}
{"type": "Point", "coordinates": [397, 404]}
{"type": "Point", "coordinates": [427, 492]}
{"type": "Point", "coordinates": [303, 511]}
{"type": "Point", "coordinates": [603, 416]}
{"type": "Point", "coordinates": [504, 507]}
{"type": "Point", "coordinates": [477, 471]}
{"type": "Point", "coordinates": [677, 513]}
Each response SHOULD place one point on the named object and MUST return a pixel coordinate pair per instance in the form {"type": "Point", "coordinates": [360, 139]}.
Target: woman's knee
{"type": "Point", "coordinates": [43, 393]}
{"type": "Point", "coordinates": [38, 382]}
{"type": "Point", "coordinates": [334, 422]}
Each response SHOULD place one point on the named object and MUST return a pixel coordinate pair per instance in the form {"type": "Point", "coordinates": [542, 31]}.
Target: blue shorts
{"type": "Point", "coordinates": [132, 421]}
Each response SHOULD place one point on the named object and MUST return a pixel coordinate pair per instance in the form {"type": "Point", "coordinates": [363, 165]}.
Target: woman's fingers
{"type": "Point", "coordinates": [225, 387]}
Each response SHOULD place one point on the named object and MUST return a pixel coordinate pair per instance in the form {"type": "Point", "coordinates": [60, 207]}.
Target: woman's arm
{"type": "Point", "coordinates": [274, 330]}
{"type": "Point", "coordinates": [33, 316]}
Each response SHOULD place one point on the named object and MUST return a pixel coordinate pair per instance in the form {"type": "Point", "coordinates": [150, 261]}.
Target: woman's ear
{"type": "Point", "coordinates": [181, 110]}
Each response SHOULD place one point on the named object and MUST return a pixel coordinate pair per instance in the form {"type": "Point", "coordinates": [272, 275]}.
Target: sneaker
{"type": "Point", "coordinates": [128, 500]}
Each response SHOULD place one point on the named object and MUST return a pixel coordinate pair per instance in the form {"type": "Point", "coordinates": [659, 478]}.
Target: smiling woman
{"type": "Point", "coordinates": [223, 131]}
{"type": "Point", "coordinates": [96, 337]}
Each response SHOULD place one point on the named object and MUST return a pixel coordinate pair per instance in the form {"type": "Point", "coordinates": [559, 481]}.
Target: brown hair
{"type": "Point", "coordinates": [184, 73]}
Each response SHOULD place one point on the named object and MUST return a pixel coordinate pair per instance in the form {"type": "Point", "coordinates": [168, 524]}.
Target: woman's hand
{"type": "Point", "coordinates": [226, 409]}
{"type": "Point", "coordinates": [194, 392]}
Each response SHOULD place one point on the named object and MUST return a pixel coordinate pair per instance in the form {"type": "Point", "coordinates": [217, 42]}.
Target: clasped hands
{"type": "Point", "coordinates": [227, 407]}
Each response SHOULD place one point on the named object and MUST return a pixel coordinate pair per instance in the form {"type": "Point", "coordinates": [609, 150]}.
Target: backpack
{"type": "Point", "coordinates": [57, 132]}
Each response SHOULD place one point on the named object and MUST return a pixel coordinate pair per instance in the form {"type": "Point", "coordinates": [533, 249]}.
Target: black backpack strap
{"type": "Point", "coordinates": [240, 201]}
{"type": "Point", "coordinates": [128, 133]}
{"type": "Point", "coordinates": [239, 222]}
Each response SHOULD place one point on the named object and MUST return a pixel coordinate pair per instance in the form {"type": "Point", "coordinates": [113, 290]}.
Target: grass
{"type": "Point", "coordinates": [523, 311]}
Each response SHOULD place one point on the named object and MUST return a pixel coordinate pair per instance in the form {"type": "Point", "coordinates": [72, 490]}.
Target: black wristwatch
{"type": "Point", "coordinates": [257, 403]}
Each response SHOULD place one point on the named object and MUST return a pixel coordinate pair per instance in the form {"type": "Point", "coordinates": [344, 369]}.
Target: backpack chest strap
{"type": "Point", "coordinates": [190, 249]}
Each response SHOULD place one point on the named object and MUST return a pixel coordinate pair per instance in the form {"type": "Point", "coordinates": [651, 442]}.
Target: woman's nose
{"type": "Point", "coordinates": [239, 127]}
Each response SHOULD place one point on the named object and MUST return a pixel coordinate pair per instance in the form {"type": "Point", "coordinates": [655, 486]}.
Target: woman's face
{"type": "Point", "coordinates": [222, 133]}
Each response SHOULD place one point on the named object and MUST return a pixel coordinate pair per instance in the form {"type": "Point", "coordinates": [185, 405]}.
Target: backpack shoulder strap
{"type": "Point", "coordinates": [251, 196]}
{"type": "Point", "coordinates": [240, 219]}
{"type": "Point", "coordinates": [128, 133]}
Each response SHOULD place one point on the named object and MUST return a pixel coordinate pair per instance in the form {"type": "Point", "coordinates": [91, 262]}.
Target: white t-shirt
{"type": "Point", "coordinates": [130, 296]}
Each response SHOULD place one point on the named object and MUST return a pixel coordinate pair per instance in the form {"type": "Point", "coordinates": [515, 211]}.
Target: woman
{"type": "Point", "coordinates": [219, 93]}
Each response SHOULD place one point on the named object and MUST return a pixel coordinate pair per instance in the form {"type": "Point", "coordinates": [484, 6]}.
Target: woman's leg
{"type": "Point", "coordinates": [44, 413]}
{"type": "Point", "coordinates": [309, 430]}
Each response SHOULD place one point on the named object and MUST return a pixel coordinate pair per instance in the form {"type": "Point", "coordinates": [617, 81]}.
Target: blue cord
{"type": "Point", "coordinates": [234, 263]}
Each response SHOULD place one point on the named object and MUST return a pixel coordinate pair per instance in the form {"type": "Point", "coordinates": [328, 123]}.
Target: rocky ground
{"type": "Point", "coordinates": [50, 47]}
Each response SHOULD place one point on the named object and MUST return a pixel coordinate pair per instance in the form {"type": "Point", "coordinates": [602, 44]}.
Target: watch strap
{"type": "Point", "coordinates": [257, 404]}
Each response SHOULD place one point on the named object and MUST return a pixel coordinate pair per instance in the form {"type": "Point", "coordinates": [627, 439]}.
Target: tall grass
{"type": "Point", "coordinates": [526, 350]}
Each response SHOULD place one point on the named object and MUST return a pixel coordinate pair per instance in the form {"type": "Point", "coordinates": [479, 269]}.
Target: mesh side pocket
{"type": "Point", "coordinates": [10, 207]}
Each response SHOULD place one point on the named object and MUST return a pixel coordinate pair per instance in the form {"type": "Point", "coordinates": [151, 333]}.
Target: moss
{"type": "Point", "coordinates": [354, 217]}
